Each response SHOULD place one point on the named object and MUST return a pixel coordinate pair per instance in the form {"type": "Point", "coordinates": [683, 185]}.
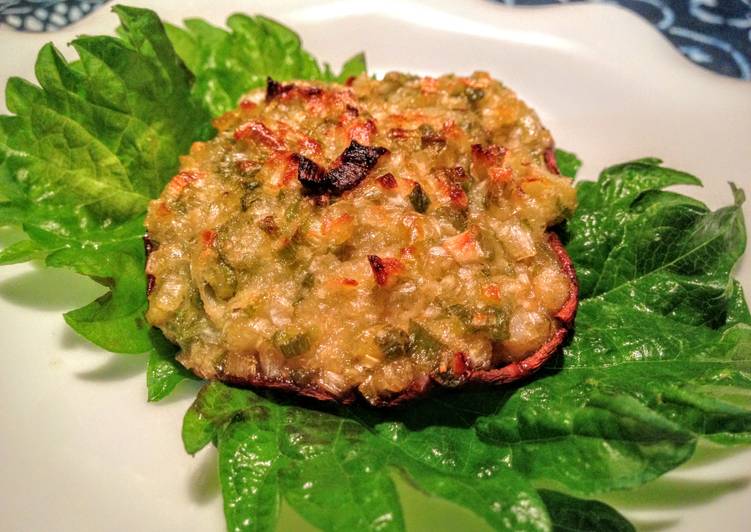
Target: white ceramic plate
{"type": "Point", "coordinates": [82, 450]}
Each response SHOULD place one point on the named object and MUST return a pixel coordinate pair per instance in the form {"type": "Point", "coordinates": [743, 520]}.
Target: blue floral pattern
{"type": "Point", "coordinates": [44, 15]}
{"type": "Point", "coordinates": [715, 34]}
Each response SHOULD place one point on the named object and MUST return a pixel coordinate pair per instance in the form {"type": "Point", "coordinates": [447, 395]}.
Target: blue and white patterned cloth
{"type": "Point", "coordinates": [716, 34]}
{"type": "Point", "coordinates": [44, 15]}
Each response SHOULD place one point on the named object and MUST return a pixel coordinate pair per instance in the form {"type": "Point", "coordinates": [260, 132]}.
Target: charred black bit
{"type": "Point", "coordinates": [311, 176]}
{"type": "Point", "coordinates": [274, 88]}
{"type": "Point", "coordinates": [355, 162]}
{"type": "Point", "coordinates": [312, 91]}
{"type": "Point", "coordinates": [419, 200]}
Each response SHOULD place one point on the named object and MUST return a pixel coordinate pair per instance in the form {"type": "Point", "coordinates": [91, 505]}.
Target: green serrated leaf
{"type": "Point", "coordinates": [163, 372]}
{"type": "Point", "coordinates": [568, 163]}
{"type": "Point", "coordinates": [320, 460]}
{"type": "Point", "coordinates": [86, 150]}
{"type": "Point", "coordinates": [570, 514]}
{"type": "Point", "coordinates": [227, 64]}
{"type": "Point", "coordinates": [116, 320]}
{"type": "Point", "coordinates": [248, 471]}
{"type": "Point", "coordinates": [504, 500]}
{"type": "Point", "coordinates": [354, 66]}
{"type": "Point", "coordinates": [21, 251]}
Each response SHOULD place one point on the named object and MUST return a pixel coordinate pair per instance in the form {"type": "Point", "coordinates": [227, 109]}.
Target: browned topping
{"type": "Point", "coordinates": [352, 167]}
{"type": "Point", "coordinates": [398, 133]}
{"type": "Point", "coordinates": [384, 269]}
{"type": "Point", "coordinates": [311, 176]}
{"type": "Point", "coordinates": [387, 181]}
{"type": "Point", "coordinates": [208, 237]}
{"type": "Point", "coordinates": [258, 131]}
{"type": "Point", "coordinates": [268, 224]}
{"type": "Point", "coordinates": [274, 89]}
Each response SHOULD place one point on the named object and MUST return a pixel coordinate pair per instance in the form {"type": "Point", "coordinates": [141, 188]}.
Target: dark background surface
{"type": "Point", "coordinates": [715, 34]}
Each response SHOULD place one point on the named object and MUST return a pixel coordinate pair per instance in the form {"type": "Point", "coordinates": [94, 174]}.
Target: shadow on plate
{"type": "Point", "coordinates": [49, 289]}
{"type": "Point", "coordinates": [115, 367]}
{"type": "Point", "coordinates": [203, 487]}
{"type": "Point", "coordinates": [666, 493]}
{"type": "Point", "coordinates": [185, 390]}
{"type": "Point", "coordinates": [70, 340]}
{"type": "Point", "coordinates": [708, 453]}
{"type": "Point", "coordinates": [654, 526]}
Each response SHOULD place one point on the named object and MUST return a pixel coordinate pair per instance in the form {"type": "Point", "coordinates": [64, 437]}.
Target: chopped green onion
{"type": "Point", "coordinates": [456, 217]}
{"type": "Point", "coordinates": [291, 343]}
{"type": "Point", "coordinates": [420, 201]}
{"type": "Point", "coordinates": [422, 343]}
{"type": "Point", "coordinates": [393, 342]}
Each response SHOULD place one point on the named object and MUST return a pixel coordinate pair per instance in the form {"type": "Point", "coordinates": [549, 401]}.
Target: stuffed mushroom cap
{"type": "Point", "coordinates": [371, 239]}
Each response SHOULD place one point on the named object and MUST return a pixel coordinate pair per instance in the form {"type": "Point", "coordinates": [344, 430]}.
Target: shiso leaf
{"type": "Point", "coordinates": [99, 137]}
{"type": "Point", "coordinates": [21, 251]}
{"type": "Point", "coordinates": [228, 64]}
{"type": "Point", "coordinates": [85, 151]}
{"type": "Point", "coordinates": [570, 514]}
{"type": "Point", "coordinates": [163, 373]}
{"type": "Point", "coordinates": [354, 66]}
{"type": "Point", "coordinates": [114, 321]}
{"type": "Point", "coordinates": [568, 163]}
{"type": "Point", "coordinates": [335, 467]}
{"type": "Point", "coordinates": [249, 474]}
